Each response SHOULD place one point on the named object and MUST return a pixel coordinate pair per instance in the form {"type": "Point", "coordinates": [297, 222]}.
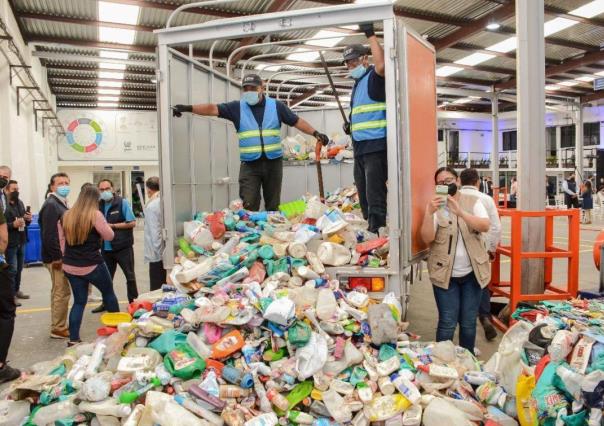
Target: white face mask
{"type": "Point", "coordinates": [252, 98]}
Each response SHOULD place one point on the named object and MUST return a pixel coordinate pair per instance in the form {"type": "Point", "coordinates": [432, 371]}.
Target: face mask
{"type": "Point", "coordinates": [452, 189]}
{"type": "Point", "coordinates": [63, 191]}
{"type": "Point", "coordinates": [357, 72]}
{"type": "Point", "coordinates": [14, 196]}
{"type": "Point", "coordinates": [3, 182]}
{"type": "Point", "coordinates": [106, 195]}
{"type": "Point", "coordinates": [252, 98]}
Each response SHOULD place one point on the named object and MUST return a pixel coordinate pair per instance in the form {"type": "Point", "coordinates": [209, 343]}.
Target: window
{"type": "Point", "coordinates": [567, 136]}
{"type": "Point", "coordinates": [453, 147]}
{"type": "Point", "coordinates": [550, 141]}
{"type": "Point", "coordinates": [509, 141]}
{"type": "Point", "coordinates": [591, 134]}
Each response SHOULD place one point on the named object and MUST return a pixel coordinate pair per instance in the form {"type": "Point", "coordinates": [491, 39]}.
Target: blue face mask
{"type": "Point", "coordinates": [63, 191]}
{"type": "Point", "coordinates": [358, 72]}
{"type": "Point", "coordinates": [252, 98]}
{"type": "Point", "coordinates": [106, 195]}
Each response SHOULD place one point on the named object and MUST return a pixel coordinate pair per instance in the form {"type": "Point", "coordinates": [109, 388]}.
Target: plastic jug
{"type": "Point", "coordinates": [385, 407]}
{"type": "Point", "coordinates": [413, 416]}
{"type": "Point", "coordinates": [326, 305]}
{"type": "Point", "coordinates": [227, 345]}
{"type": "Point", "coordinates": [333, 254]}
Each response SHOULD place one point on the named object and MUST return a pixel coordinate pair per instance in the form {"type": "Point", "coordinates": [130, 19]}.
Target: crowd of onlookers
{"type": "Point", "coordinates": [81, 245]}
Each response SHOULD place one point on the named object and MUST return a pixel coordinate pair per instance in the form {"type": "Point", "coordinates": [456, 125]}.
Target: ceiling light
{"type": "Point", "coordinates": [585, 78]}
{"type": "Point", "coordinates": [327, 42]}
{"type": "Point", "coordinates": [493, 26]}
{"type": "Point", "coordinates": [504, 46]}
{"type": "Point", "coordinates": [112, 66]}
{"type": "Point", "coordinates": [110, 74]}
{"type": "Point", "coordinates": [447, 70]}
{"type": "Point", "coordinates": [117, 84]}
{"type": "Point", "coordinates": [102, 91]}
{"type": "Point", "coordinates": [109, 98]}
{"type": "Point", "coordinates": [557, 24]}
{"type": "Point", "coordinates": [116, 35]}
{"type": "Point", "coordinates": [568, 83]}
{"type": "Point", "coordinates": [344, 98]}
{"type": "Point", "coordinates": [107, 104]}
{"type": "Point", "coordinates": [600, 73]}
{"type": "Point", "coordinates": [474, 59]}
{"type": "Point", "coordinates": [260, 67]}
{"type": "Point", "coordinates": [303, 56]}
{"type": "Point", "coordinates": [120, 13]}
{"type": "Point", "coordinates": [552, 87]}
{"type": "Point", "coordinates": [589, 10]}
{"type": "Point", "coordinates": [113, 54]}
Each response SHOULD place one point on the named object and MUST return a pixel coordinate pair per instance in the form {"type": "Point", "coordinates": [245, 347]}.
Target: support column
{"type": "Point", "coordinates": [495, 138]}
{"type": "Point", "coordinates": [579, 144]}
{"type": "Point", "coordinates": [530, 66]}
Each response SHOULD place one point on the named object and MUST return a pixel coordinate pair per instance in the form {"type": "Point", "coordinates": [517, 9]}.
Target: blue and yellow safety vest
{"type": "Point", "coordinates": [253, 140]}
{"type": "Point", "coordinates": [368, 117]}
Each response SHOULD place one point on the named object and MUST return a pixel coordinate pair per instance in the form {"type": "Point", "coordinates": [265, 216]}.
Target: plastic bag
{"type": "Point", "coordinates": [395, 305]}
{"type": "Point", "coordinates": [384, 328]}
{"type": "Point", "coordinates": [548, 398]}
{"type": "Point", "coordinates": [280, 311]}
{"type": "Point", "coordinates": [167, 341]}
{"type": "Point", "coordinates": [527, 415]}
{"type": "Point", "coordinates": [312, 357]}
{"type": "Point", "coordinates": [183, 362]}
{"type": "Point", "coordinates": [298, 334]}
{"type": "Point", "coordinates": [440, 412]}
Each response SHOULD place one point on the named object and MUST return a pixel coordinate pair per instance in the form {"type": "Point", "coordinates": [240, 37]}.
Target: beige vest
{"type": "Point", "coordinates": [442, 249]}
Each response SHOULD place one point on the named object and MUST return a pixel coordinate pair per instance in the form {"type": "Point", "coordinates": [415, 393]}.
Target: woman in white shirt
{"type": "Point", "coordinates": [458, 262]}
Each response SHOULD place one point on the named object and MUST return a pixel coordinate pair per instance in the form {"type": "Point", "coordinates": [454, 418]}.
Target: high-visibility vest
{"type": "Point", "coordinates": [368, 117]}
{"type": "Point", "coordinates": [254, 140]}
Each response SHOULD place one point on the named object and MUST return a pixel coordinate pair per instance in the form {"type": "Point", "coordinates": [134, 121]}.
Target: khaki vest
{"type": "Point", "coordinates": [442, 249]}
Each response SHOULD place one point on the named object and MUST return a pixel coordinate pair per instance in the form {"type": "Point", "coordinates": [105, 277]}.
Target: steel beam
{"type": "Point", "coordinates": [579, 143]}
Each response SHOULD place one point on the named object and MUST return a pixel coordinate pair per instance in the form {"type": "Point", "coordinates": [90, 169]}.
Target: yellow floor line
{"type": "Point", "coordinates": [36, 310]}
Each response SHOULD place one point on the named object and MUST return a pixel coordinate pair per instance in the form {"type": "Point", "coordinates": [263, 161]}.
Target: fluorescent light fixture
{"type": "Point", "coordinates": [328, 42]}
{"type": "Point", "coordinates": [475, 97]}
{"type": "Point", "coordinates": [113, 54]}
{"type": "Point", "coordinates": [493, 26]}
{"type": "Point", "coordinates": [303, 56]}
{"type": "Point", "coordinates": [102, 91]}
{"type": "Point", "coordinates": [109, 98]}
{"type": "Point", "coordinates": [110, 74]}
{"type": "Point", "coordinates": [120, 13]}
{"type": "Point", "coordinates": [504, 46]}
{"type": "Point", "coordinates": [116, 35]}
{"type": "Point", "coordinates": [586, 78]}
{"type": "Point", "coordinates": [557, 24]}
{"type": "Point", "coordinates": [568, 83]}
{"type": "Point", "coordinates": [260, 67]}
{"type": "Point", "coordinates": [112, 66]}
{"type": "Point", "coordinates": [589, 10]}
{"type": "Point", "coordinates": [107, 104]}
{"type": "Point", "coordinates": [116, 84]}
{"type": "Point", "coordinates": [447, 70]}
{"type": "Point", "coordinates": [600, 73]}
{"type": "Point", "coordinates": [552, 87]}
{"type": "Point", "coordinates": [474, 59]}
{"type": "Point", "coordinates": [462, 101]}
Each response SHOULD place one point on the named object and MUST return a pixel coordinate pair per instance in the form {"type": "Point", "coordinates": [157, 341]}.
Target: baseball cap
{"type": "Point", "coordinates": [251, 80]}
{"type": "Point", "coordinates": [354, 51]}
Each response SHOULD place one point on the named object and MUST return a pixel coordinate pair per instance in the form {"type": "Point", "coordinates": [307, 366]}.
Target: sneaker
{"type": "Point", "coordinates": [21, 295]}
{"type": "Point", "coordinates": [8, 373]}
{"type": "Point", "coordinates": [59, 334]}
{"type": "Point", "coordinates": [73, 343]}
{"type": "Point", "coordinates": [98, 309]}
{"type": "Point", "coordinates": [489, 331]}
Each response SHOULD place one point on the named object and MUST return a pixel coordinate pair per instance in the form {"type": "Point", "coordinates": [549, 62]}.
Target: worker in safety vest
{"type": "Point", "coordinates": [258, 120]}
{"type": "Point", "coordinates": [368, 127]}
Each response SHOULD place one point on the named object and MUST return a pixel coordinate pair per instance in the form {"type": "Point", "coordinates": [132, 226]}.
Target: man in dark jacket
{"type": "Point", "coordinates": [119, 251]}
{"type": "Point", "coordinates": [50, 214]}
{"type": "Point", "coordinates": [17, 220]}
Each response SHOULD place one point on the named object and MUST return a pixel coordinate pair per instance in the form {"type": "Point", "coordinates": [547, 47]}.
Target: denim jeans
{"type": "Point", "coordinates": [14, 258]}
{"type": "Point", "coordinates": [99, 278]}
{"type": "Point", "coordinates": [485, 303]}
{"type": "Point", "coordinates": [458, 305]}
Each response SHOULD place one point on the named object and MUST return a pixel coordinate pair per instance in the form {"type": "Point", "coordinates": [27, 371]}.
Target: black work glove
{"type": "Point", "coordinates": [321, 137]}
{"type": "Point", "coordinates": [346, 128]}
{"type": "Point", "coordinates": [177, 110]}
{"type": "Point", "coordinates": [367, 29]}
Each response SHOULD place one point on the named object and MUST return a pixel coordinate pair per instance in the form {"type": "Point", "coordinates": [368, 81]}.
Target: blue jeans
{"type": "Point", "coordinates": [485, 303]}
{"type": "Point", "coordinates": [458, 304]}
{"type": "Point", "coordinates": [14, 258]}
{"type": "Point", "coordinates": [99, 278]}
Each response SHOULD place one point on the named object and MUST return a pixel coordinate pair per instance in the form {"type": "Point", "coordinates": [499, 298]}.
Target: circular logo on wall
{"type": "Point", "coordinates": [84, 135]}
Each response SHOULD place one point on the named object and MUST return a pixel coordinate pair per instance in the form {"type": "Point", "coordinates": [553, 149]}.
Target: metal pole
{"type": "Point", "coordinates": [530, 64]}
{"type": "Point", "coordinates": [579, 144]}
{"type": "Point", "coordinates": [495, 138]}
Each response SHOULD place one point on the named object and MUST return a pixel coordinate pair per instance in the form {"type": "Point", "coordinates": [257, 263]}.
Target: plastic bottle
{"type": "Point", "coordinates": [407, 388]}
{"type": "Point", "coordinates": [300, 417]}
{"type": "Point", "coordinates": [266, 419]}
{"type": "Point", "coordinates": [198, 345]}
{"type": "Point", "coordinates": [130, 397]}
{"type": "Point", "coordinates": [478, 378]}
{"type": "Point", "coordinates": [364, 392]}
{"type": "Point", "coordinates": [51, 413]}
{"type": "Point", "coordinates": [336, 405]}
{"type": "Point", "coordinates": [108, 407]}
{"type": "Point", "coordinates": [385, 407]}
{"type": "Point", "coordinates": [315, 262]}
{"type": "Point", "coordinates": [439, 371]}
{"type": "Point", "coordinates": [389, 366]}
{"type": "Point", "coordinates": [307, 273]}
{"type": "Point", "coordinates": [413, 416]}
{"type": "Point", "coordinates": [333, 254]}
{"type": "Point", "coordinates": [277, 399]}
{"type": "Point", "coordinates": [201, 394]}
{"type": "Point", "coordinates": [296, 250]}
{"type": "Point", "coordinates": [135, 416]}
{"type": "Point", "coordinates": [237, 377]}
{"type": "Point", "coordinates": [263, 402]}
{"type": "Point", "coordinates": [95, 360]}
{"type": "Point", "coordinates": [198, 410]}
{"type": "Point", "coordinates": [386, 386]}
{"type": "Point", "coordinates": [232, 391]}
{"type": "Point", "coordinates": [227, 345]}
{"type": "Point", "coordinates": [341, 387]}
{"type": "Point", "coordinates": [326, 304]}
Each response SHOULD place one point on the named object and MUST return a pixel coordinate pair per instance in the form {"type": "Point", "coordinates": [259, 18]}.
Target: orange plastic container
{"type": "Point", "coordinates": [227, 345]}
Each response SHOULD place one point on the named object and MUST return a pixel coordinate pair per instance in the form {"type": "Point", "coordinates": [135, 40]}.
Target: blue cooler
{"type": "Point", "coordinates": [33, 247]}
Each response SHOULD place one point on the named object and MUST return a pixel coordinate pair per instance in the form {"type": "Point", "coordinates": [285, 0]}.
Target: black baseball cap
{"type": "Point", "coordinates": [251, 80]}
{"type": "Point", "coordinates": [354, 51]}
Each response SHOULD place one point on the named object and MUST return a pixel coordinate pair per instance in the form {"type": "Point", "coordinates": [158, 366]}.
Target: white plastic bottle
{"type": "Point", "coordinates": [307, 273]}
{"type": "Point", "coordinates": [53, 412]}
{"type": "Point", "coordinates": [412, 416]}
{"type": "Point", "coordinates": [315, 262]}
{"type": "Point", "coordinates": [266, 419]}
{"type": "Point", "coordinates": [408, 389]}
{"type": "Point", "coordinates": [108, 407]}
{"type": "Point", "coordinates": [96, 359]}
{"type": "Point", "coordinates": [135, 416]}
{"type": "Point", "coordinates": [326, 304]}
{"type": "Point", "coordinates": [296, 250]}
{"type": "Point", "coordinates": [333, 254]}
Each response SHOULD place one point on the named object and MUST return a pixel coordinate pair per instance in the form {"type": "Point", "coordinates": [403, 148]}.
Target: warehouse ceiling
{"type": "Point", "coordinates": [101, 54]}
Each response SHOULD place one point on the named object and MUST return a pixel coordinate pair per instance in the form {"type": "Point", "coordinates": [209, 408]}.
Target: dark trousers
{"type": "Point", "coordinates": [7, 312]}
{"type": "Point", "coordinates": [571, 202]}
{"type": "Point", "coordinates": [14, 258]}
{"type": "Point", "coordinates": [124, 258]}
{"type": "Point", "coordinates": [370, 176]}
{"type": "Point", "coordinates": [265, 174]}
{"type": "Point", "coordinates": [458, 304]}
{"type": "Point", "coordinates": [99, 278]}
{"type": "Point", "coordinates": [157, 275]}
{"type": "Point", "coordinates": [485, 303]}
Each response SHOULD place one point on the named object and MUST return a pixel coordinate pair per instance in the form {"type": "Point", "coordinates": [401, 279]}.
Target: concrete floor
{"type": "Point", "coordinates": [31, 342]}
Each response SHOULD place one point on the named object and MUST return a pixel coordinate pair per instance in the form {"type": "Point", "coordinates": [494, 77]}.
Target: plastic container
{"type": "Point", "coordinates": [333, 254]}
{"type": "Point", "coordinates": [407, 388]}
{"type": "Point", "coordinates": [237, 377]}
{"type": "Point", "coordinates": [113, 319]}
{"type": "Point", "coordinates": [198, 410]}
{"type": "Point", "coordinates": [413, 416]}
{"type": "Point", "coordinates": [266, 419]}
{"type": "Point", "coordinates": [336, 406]}
{"type": "Point", "coordinates": [277, 399]}
{"type": "Point", "coordinates": [227, 345]}
{"type": "Point", "coordinates": [385, 407]}
{"type": "Point", "coordinates": [326, 304]}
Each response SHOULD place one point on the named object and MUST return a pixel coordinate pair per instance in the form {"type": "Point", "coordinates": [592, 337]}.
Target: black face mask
{"type": "Point", "coordinates": [3, 182]}
{"type": "Point", "coordinates": [452, 189]}
{"type": "Point", "coordinates": [14, 196]}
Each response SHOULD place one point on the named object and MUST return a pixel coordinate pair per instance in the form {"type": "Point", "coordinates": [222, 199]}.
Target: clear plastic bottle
{"type": "Point", "coordinates": [277, 399]}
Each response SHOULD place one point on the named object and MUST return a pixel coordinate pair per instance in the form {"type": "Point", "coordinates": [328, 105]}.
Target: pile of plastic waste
{"type": "Point", "coordinates": [551, 361]}
{"type": "Point", "coordinates": [299, 148]}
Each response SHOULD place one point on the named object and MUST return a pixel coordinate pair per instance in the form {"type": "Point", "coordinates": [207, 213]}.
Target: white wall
{"type": "Point", "coordinates": [31, 157]}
